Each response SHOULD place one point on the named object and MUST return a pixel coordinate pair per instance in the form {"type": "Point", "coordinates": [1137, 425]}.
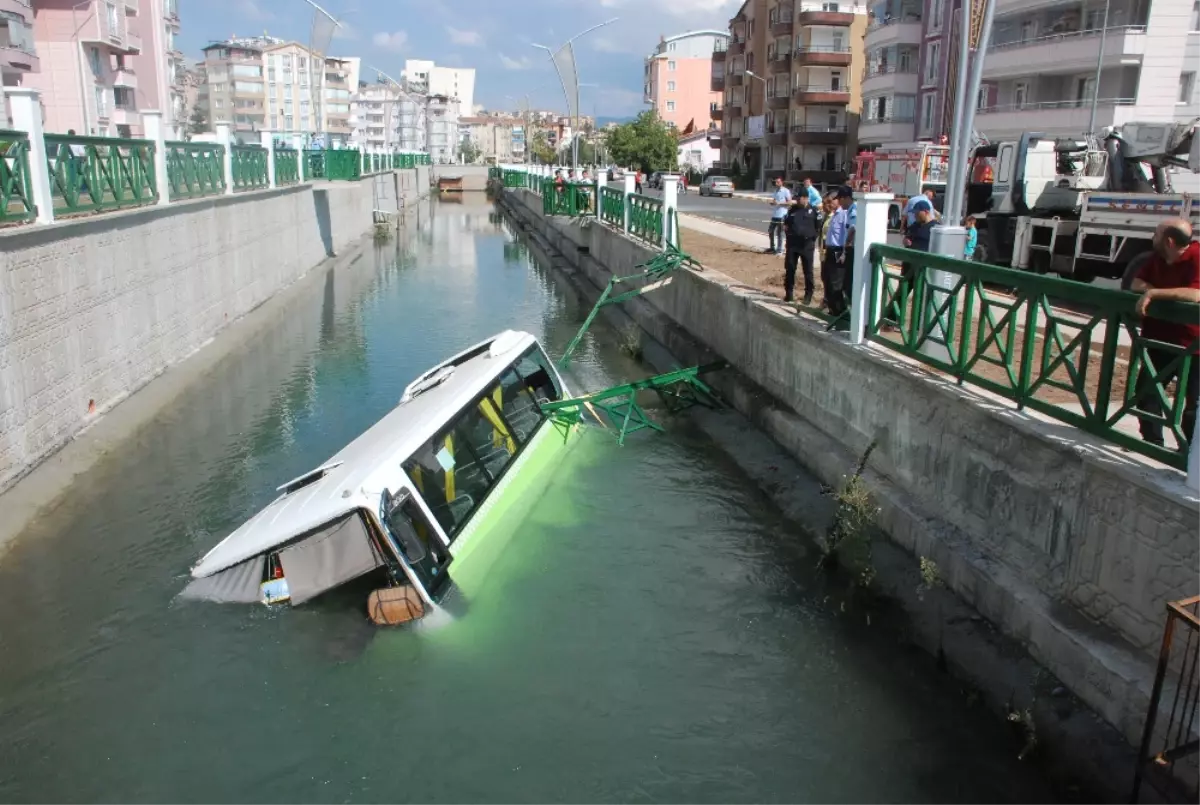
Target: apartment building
{"type": "Point", "coordinates": [424, 77]}
{"type": "Point", "coordinates": [18, 51]}
{"type": "Point", "coordinates": [374, 115]}
{"type": "Point", "coordinates": [235, 90]}
{"type": "Point", "coordinates": [791, 95]}
{"type": "Point", "coordinates": [492, 136]}
{"type": "Point", "coordinates": [678, 83]}
{"type": "Point", "coordinates": [104, 62]}
{"type": "Point", "coordinates": [341, 77]}
{"type": "Point", "coordinates": [1040, 68]}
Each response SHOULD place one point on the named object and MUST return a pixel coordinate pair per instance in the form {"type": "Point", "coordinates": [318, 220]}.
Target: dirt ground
{"type": "Point", "coordinates": [746, 265]}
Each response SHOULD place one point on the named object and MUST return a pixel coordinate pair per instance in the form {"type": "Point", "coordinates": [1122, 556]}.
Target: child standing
{"type": "Point", "coordinates": [972, 238]}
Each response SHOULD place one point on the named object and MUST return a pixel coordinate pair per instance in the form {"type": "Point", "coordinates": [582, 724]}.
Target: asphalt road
{"type": "Point", "coordinates": [750, 213]}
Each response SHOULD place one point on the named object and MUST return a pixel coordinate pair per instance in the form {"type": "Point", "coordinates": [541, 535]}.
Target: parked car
{"type": "Point", "coordinates": [716, 186]}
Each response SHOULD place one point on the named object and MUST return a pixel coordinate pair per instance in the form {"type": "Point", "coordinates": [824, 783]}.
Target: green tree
{"type": "Point", "coordinates": [646, 143]}
{"type": "Point", "coordinates": [540, 150]}
{"type": "Point", "coordinates": [198, 122]}
{"type": "Point", "coordinates": [468, 151]}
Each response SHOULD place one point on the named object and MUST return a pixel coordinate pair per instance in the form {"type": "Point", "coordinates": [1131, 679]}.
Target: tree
{"type": "Point", "coordinates": [198, 122]}
{"type": "Point", "coordinates": [468, 151]}
{"type": "Point", "coordinates": [540, 150]}
{"type": "Point", "coordinates": [646, 143]}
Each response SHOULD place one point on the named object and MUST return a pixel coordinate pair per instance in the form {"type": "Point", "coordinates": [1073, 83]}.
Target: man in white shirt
{"type": "Point", "coordinates": [781, 201]}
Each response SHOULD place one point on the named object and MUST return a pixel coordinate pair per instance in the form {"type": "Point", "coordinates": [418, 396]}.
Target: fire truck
{"type": "Point", "coordinates": [904, 170]}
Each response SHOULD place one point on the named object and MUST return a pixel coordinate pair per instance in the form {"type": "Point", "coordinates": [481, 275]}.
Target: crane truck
{"type": "Point", "coordinates": [1081, 208]}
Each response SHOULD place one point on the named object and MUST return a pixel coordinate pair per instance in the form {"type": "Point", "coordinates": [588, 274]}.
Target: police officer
{"type": "Point", "coordinates": [802, 227]}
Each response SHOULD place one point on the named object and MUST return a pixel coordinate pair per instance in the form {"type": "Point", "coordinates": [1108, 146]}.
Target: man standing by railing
{"type": "Point", "coordinates": [833, 263]}
{"type": "Point", "coordinates": [1171, 273]}
{"type": "Point", "coordinates": [781, 200]}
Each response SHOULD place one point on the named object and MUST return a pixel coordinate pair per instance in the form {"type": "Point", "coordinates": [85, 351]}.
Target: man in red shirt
{"type": "Point", "coordinates": [1171, 273]}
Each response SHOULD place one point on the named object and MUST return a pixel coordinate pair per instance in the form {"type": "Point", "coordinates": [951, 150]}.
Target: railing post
{"type": "Point", "coordinates": [871, 228]}
{"type": "Point", "coordinates": [1193, 468]}
{"type": "Point", "coordinates": [298, 144]}
{"type": "Point", "coordinates": [630, 186]}
{"type": "Point", "coordinates": [225, 138]}
{"type": "Point", "coordinates": [152, 122]}
{"type": "Point", "coordinates": [670, 198]}
{"type": "Point", "coordinates": [26, 114]}
{"type": "Point", "coordinates": [268, 142]}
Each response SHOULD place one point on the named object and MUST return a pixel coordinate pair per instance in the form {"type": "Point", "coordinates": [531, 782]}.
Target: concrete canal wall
{"type": "Point", "coordinates": [474, 177]}
{"type": "Point", "coordinates": [1060, 545]}
{"type": "Point", "coordinates": [92, 309]}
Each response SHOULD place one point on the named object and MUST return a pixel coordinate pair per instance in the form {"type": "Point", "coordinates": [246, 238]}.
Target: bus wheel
{"type": "Point", "coordinates": [1132, 268]}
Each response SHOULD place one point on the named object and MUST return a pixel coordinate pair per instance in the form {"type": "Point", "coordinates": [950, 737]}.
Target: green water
{"type": "Point", "coordinates": [651, 633]}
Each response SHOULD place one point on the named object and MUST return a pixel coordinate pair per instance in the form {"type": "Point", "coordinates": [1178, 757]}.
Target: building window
{"type": "Point", "coordinates": [935, 19]}
{"type": "Point", "coordinates": [114, 25]}
{"type": "Point", "coordinates": [671, 46]}
{"type": "Point", "coordinates": [933, 63]}
{"type": "Point", "coordinates": [1020, 95]}
{"type": "Point", "coordinates": [829, 6]}
{"type": "Point", "coordinates": [927, 103]}
{"type": "Point", "coordinates": [670, 106]}
{"type": "Point", "coordinates": [94, 60]}
{"type": "Point", "coordinates": [670, 86]}
{"type": "Point", "coordinates": [101, 102]}
{"type": "Point", "coordinates": [671, 66]}
{"type": "Point", "coordinates": [1196, 16]}
{"type": "Point", "coordinates": [1186, 82]}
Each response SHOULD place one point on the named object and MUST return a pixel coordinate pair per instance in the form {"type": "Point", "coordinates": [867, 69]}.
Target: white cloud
{"type": "Point", "coordinates": [523, 63]}
{"type": "Point", "coordinates": [392, 41]}
{"type": "Point", "coordinates": [699, 13]}
{"type": "Point", "coordinates": [604, 44]}
{"type": "Point", "coordinates": [469, 38]}
{"type": "Point", "coordinates": [252, 11]}
{"type": "Point", "coordinates": [345, 31]}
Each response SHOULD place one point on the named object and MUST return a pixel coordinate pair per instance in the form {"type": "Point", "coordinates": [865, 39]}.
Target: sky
{"type": "Point", "coordinates": [496, 38]}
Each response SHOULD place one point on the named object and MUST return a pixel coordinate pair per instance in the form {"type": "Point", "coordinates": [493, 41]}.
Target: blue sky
{"type": "Point", "coordinates": [493, 37]}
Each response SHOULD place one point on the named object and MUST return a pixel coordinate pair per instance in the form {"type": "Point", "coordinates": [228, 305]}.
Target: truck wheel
{"type": "Point", "coordinates": [1132, 268]}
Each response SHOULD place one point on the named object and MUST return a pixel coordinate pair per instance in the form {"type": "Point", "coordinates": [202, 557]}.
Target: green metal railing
{"type": "Point", "coordinates": [16, 199]}
{"type": "Point", "coordinates": [287, 166]}
{"type": "Point", "coordinates": [249, 167]}
{"type": "Point", "coordinates": [571, 198]}
{"type": "Point", "coordinates": [88, 174]}
{"type": "Point", "coordinates": [645, 218]}
{"type": "Point", "coordinates": [1090, 369]}
{"type": "Point", "coordinates": [612, 206]}
{"type": "Point", "coordinates": [195, 169]}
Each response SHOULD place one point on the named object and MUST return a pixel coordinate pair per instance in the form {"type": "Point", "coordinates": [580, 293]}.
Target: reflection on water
{"type": "Point", "coordinates": [650, 633]}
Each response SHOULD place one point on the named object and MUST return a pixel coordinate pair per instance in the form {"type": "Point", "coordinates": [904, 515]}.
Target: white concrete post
{"type": "Point", "coordinates": [268, 142]}
{"type": "Point", "coordinates": [26, 114]}
{"type": "Point", "coordinates": [869, 229]}
{"type": "Point", "coordinates": [225, 138]}
{"type": "Point", "coordinates": [630, 186]}
{"type": "Point", "coordinates": [1193, 469]}
{"type": "Point", "coordinates": [298, 144]}
{"type": "Point", "coordinates": [152, 122]}
{"type": "Point", "coordinates": [670, 198]}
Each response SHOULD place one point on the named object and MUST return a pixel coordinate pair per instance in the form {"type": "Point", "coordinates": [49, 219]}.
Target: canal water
{"type": "Point", "coordinates": [655, 630]}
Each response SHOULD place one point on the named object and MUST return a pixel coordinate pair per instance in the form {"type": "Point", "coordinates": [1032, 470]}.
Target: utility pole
{"type": "Point", "coordinates": [1099, 63]}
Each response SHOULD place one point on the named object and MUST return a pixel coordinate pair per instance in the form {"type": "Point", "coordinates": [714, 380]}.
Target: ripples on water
{"type": "Point", "coordinates": [653, 633]}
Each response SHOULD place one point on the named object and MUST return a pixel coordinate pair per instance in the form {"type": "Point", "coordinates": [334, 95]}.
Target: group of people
{"type": "Point", "coordinates": [799, 225]}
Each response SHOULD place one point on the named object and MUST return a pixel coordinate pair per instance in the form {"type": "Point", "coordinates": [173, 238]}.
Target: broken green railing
{"type": "Point", "coordinates": [195, 170]}
{"type": "Point", "coordinates": [249, 167]}
{"type": "Point", "coordinates": [677, 390]}
{"type": "Point", "coordinates": [645, 218]}
{"type": "Point", "coordinates": [612, 206]}
{"type": "Point", "coordinates": [88, 174]}
{"type": "Point", "coordinates": [655, 274]}
{"type": "Point", "coordinates": [1089, 369]}
{"type": "Point", "coordinates": [16, 199]}
{"type": "Point", "coordinates": [287, 166]}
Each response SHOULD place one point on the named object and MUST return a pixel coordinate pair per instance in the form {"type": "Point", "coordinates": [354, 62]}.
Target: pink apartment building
{"type": "Point", "coordinates": [678, 81]}
{"type": "Point", "coordinates": [104, 62]}
{"type": "Point", "coordinates": [18, 54]}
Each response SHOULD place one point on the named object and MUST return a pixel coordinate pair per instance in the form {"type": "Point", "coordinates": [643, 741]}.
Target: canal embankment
{"type": "Point", "coordinates": [93, 309]}
{"type": "Point", "coordinates": [1068, 553]}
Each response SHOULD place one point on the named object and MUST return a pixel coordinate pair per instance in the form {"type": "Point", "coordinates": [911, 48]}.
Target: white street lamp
{"type": "Point", "coordinates": [566, 90]}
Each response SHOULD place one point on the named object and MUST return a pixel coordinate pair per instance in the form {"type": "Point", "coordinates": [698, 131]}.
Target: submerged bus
{"type": "Point", "coordinates": [423, 499]}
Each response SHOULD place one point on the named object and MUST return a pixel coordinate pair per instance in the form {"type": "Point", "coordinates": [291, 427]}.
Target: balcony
{"type": "Point", "coordinates": [17, 50]}
{"type": "Point", "coordinates": [777, 136]}
{"type": "Point", "coordinates": [890, 79]}
{"type": "Point", "coordinates": [781, 21]}
{"type": "Point", "coordinates": [133, 43]}
{"type": "Point", "coordinates": [717, 83]}
{"type": "Point", "coordinates": [781, 100]}
{"type": "Point", "coordinates": [125, 78]}
{"type": "Point", "coordinates": [736, 47]}
{"type": "Point", "coordinates": [814, 134]}
{"type": "Point", "coordinates": [1075, 52]}
{"type": "Point", "coordinates": [823, 55]}
{"type": "Point", "coordinates": [780, 63]}
{"type": "Point", "coordinates": [894, 31]}
{"type": "Point", "coordinates": [733, 110]}
{"type": "Point", "coordinates": [126, 116]}
{"type": "Point", "coordinates": [838, 19]}
{"type": "Point", "coordinates": [1052, 118]}
{"type": "Point", "coordinates": [887, 129]}
{"type": "Point", "coordinates": [714, 111]}
{"type": "Point", "coordinates": [720, 48]}
{"type": "Point", "coordinates": [729, 139]}
{"type": "Point", "coordinates": [734, 79]}
{"type": "Point", "coordinates": [822, 94]}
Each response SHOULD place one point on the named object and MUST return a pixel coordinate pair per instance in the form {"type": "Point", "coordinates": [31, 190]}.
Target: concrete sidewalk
{"type": "Point", "coordinates": [750, 238]}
